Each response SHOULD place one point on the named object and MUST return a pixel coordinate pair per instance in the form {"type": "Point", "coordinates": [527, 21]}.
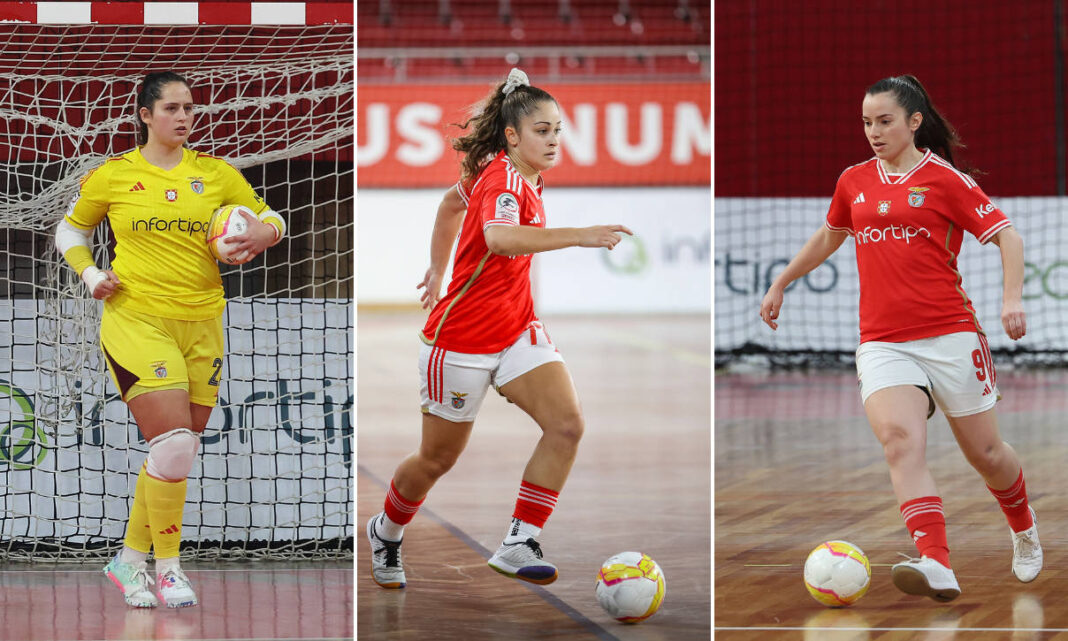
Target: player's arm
{"type": "Point", "coordinates": [519, 240]}
{"type": "Point", "coordinates": [446, 227]}
{"type": "Point", "coordinates": [1013, 318]}
{"type": "Point", "coordinates": [76, 228]}
{"type": "Point", "coordinates": [819, 248]}
{"type": "Point", "coordinates": [265, 229]}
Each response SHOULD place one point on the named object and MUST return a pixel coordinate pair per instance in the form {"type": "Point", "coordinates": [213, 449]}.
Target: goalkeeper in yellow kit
{"type": "Point", "coordinates": [161, 331]}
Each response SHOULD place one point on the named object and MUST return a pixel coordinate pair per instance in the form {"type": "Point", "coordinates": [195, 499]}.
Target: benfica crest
{"type": "Point", "coordinates": [458, 400]}
{"type": "Point", "coordinates": [917, 196]}
{"type": "Point", "coordinates": [197, 185]}
{"type": "Point", "coordinates": [160, 369]}
{"type": "Point", "coordinates": [884, 207]}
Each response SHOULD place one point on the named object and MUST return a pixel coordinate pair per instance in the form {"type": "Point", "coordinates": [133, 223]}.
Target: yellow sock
{"type": "Point", "coordinates": [138, 533]}
{"type": "Point", "coordinates": [166, 502]}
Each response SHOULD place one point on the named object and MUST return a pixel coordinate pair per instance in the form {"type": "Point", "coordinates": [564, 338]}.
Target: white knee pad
{"type": "Point", "coordinates": [171, 455]}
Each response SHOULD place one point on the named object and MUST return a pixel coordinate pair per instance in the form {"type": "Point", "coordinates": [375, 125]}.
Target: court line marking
{"type": "Point", "coordinates": [881, 629]}
{"type": "Point", "coordinates": [549, 597]}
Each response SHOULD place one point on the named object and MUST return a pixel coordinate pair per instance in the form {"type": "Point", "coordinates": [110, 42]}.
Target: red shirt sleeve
{"type": "Point", "coordinates": [973, 211]}
{"type": "Point", "coordinates": [840, 214]}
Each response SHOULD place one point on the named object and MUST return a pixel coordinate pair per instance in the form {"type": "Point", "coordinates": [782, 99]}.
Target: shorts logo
{"type": "Point", "coordinates": [197, 185]}
{"type": "Point", "coordinates": [172, 195]}
{"type": "Point", "coordinates": [160, 369]}
{"type": "Point", "coordinates": [884, 207]}
{"type": "Point", "coordinates": [917, 196]}
{"type": "Point", "coordinates": [458, 400]}
{"type": "Point", "coordinates": [507, 208]}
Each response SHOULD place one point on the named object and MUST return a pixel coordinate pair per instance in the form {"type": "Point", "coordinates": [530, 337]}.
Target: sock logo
{"type": "Point", "coordinates": [918, 534]}
{"type": "Point", "coordinates": [515, 528]}
{"type": "Point", "coordinates": [172, 529]}
{"type": "Point", "coordinates": [1016, 503]}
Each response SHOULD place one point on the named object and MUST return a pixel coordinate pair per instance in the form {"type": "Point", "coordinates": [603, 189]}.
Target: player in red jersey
{"type": "Point", "coordinates": [484, 330]}
{"type": "Point", "coordinates": [921, 344]}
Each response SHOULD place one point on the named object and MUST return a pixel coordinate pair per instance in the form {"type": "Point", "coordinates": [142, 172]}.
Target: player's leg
{"type": "Point", "coordinates": [141, 358]}
{"type": "Point", "coordinates": [533, 376]}
{"type": "Point", "coordinates": [453, 387]}
{"type": "Point", "coordinates": [965, 386]}
{"type": "Point", "coordinates": [894, 389]}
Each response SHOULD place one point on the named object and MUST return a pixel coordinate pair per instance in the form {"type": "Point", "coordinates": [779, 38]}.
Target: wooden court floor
{"type": "Point", "coordinates": [641, 482]}
{"type": "Point", "coordinates": [796, 464]}
{"type": "Point", "coordinates": [239, 601]}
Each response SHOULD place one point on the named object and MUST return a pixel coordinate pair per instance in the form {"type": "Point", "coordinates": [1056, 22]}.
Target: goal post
{"type": "Point", "coordinates": [274, 475]}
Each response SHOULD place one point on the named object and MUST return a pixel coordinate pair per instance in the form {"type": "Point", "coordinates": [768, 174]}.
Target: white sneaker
{"type": "Point", "coordinates": [1027, 552]}
{"type": "Point", "coordinates": [174, 589]}
{"type": "Point", "coordinates": [925, 577]}
{"type": "Point", "coordinates": [134, 582]}
{"type": "Point", "coordinates": [386, 566]}
{"type": "Point", "coordinates": [523, 561]}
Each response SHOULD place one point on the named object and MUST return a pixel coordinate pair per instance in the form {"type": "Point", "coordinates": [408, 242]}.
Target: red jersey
{"type": "Point", "coordinates": [488, 304]}
{"type": "Point", "coordinates": [908, 230]}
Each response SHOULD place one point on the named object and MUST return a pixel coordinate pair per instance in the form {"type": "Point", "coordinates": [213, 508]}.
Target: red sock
{"type": "Point", "coordinates": [926, 522]}
{"type": "Point", "coordinates": [535, 504]}
{"type": "Point", "coordinates": [1013, 502]}
{"type": "Point", "coordinates": [399, 509]}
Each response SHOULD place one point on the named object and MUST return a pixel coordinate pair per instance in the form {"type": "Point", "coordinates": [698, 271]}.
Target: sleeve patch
{"type": "Point", "coordinates": [507, 208]}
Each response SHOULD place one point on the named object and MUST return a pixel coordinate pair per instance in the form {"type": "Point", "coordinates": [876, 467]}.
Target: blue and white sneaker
{"type": "Point", "coordinates": [523, 561]}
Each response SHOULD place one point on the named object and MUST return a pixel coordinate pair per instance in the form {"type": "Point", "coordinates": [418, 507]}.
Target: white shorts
{"type": "Point", "coordinates": [453, 384]}
{"type": "Point", "coordinates": [955, 370]}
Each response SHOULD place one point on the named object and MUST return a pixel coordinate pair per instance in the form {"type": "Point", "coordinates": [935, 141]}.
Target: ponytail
{"type": "Point", "coordinates": [935, 132]}
{"type": "Point", "coordinates": [505, 106]}
{"type": "Point", "coordinates": [150, 91]}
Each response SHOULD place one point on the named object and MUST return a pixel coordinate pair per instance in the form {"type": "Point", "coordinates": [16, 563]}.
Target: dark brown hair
{"type": "Point", "coordinates": [150, 91]}
{"type": "Point", "coordinates": [498, 111]}
{"type": "Point", "coordinates": [935, 132]}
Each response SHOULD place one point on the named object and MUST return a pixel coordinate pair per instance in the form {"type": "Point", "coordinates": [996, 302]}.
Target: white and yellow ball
{"type": "Point", "coordinates": [837, 573]}
{"type": "Point", "coordinates": [630, 587]}
{"type": "Point", "coordinates": [227, 222]}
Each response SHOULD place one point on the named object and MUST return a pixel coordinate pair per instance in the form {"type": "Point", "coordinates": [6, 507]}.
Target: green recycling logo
{"type": "Point", "coordinates": [23, 445]}
{"type": "Point", "coordinates": [628, 257]}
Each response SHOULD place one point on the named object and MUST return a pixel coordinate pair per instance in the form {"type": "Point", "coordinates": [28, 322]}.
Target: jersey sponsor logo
{"type": "Point", "coordinates": [458, 399]}
{"type": "Point", "coordinates": [891, 232]}
{"type": "Point", "coordinates": [507, 208]}
{"type": "Point", "coordinates": [196, 184]}
{"type": "Point", "coordinates": [184, 225]}
{"type": "Point", "coordinates": [917, 196]}
{"type": "Point", "coordinates": [983, 210]}
{"type": "Point", "coordinates": [160, 369]}
{"type": "Point", "coordinates": [859, 199]}
{"type": "Point", "coordinates": [883, 208]}
{"type": "Point", "coordinates": [172, 195]}
{"type": "Point", "coordinates": [138, 187]}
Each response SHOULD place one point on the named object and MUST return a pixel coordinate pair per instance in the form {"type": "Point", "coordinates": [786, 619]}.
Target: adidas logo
{"type": "Point", "coordinates": [986, 390]}
{"type": "Point", "coordinates": [138, 187]}
{"type": "Point", "coordinates": [859, 199]}
{"type": "Point", "coordinates": [918, 534]}
{"type": "Point", "coordinates": [173, 529]}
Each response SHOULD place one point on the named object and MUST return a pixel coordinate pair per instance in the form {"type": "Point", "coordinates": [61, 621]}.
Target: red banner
{"type": "Point", "coordinates": [613, 134]}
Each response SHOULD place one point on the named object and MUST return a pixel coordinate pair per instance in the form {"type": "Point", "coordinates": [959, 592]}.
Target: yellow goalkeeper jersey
{"type": "Point", "coordinates": [158, 222]}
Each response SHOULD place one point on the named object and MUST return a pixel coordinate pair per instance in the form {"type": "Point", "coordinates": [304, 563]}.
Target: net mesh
{"type": "Point", "coordinates": [274, 476]}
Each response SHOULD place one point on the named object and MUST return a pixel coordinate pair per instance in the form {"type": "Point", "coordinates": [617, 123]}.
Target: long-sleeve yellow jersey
{"type": "Point", "coordinates": [158, 221]}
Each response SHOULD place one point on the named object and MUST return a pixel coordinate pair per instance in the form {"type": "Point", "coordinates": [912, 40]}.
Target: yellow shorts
{"type": "Point", "coordinates": [148, 353]}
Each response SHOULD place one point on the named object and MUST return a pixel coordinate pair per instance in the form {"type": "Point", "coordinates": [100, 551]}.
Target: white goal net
{"type": "Point", "coordinates": [274, 475]}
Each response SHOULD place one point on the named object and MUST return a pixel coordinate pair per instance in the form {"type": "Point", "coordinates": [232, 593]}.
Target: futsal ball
{"type": "Point", "coordinates": [227, 222]}
{"type": "Point", "coordinates": [837, 573]}
{"type": "Point", "coordinates": [630, 587]}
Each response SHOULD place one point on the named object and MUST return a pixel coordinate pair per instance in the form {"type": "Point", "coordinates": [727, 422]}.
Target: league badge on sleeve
{"type": "Point", "coordinates": [507, 208]}
{"type": "Point", "coordinates": [917, 196]}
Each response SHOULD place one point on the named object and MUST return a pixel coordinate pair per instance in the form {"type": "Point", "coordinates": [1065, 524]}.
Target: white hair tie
{"type": "Point", "coordinates": [516, 77]}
